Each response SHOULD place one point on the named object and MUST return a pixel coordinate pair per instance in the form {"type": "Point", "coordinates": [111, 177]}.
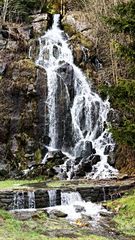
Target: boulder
{"type": "Point", "coordinates": [79, 208]}
{"type": "Point", "coordinates": [4, 171]}
{"type": "Point", "coordinates": [57, 214]}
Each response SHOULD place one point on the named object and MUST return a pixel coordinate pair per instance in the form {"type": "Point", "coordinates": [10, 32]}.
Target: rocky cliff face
{"type": "Point", "coordinates": [22, 98]}
{"type": "Point", "coordinates": [23, 89]}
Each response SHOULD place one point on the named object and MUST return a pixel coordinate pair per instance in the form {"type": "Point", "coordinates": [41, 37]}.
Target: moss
{"type": "Point", "coordinates": [38, 156]}
{"type": "Point", "coordinates": [70, 30]}
{"type": "Point", "coordinates": [83, 40]}
{"type": "Point", "coordinates": [26, 64]}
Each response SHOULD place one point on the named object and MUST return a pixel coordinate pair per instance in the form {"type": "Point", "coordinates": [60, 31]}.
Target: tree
{"type": "Point", "coordinates": [122, 93]}
{"type": "Point", "coordinates": [123, 21]}
{"type": "Point", "coordinates": [20, 10]}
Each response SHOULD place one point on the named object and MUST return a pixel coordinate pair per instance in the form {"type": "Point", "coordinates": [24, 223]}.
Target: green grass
{"type": "Point", "coordinates": [11, 183]}
{"type": "Point", "coordinates": [125, 213]}
{"type": "Point", "coordinates": [39, 227]}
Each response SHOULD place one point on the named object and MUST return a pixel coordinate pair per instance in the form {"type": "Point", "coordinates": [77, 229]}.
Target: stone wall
{"type": "Point", "coordinates": [18, 199]}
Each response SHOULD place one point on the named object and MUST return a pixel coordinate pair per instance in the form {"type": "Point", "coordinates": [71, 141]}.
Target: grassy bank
{"type": "Point", "coordinates": [13, 183]}
{"type": "Point", "coordinates": [40, 226]}
{"type": "Point", "coordinates": [124, 209]}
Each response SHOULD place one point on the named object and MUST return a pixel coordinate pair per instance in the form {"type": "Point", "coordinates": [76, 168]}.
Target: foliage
{"type": "Point", "coordinates": [20, 10]}
{"type": "Point", "coordinates": [125, 209]}
{"type": "Point", "coordinates": [123, 21]}
{"type": "Point", "coordinates": [122, 98]}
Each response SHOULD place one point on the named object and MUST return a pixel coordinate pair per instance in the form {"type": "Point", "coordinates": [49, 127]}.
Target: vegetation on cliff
{"type": "Point", "coordinates": [122, 92]}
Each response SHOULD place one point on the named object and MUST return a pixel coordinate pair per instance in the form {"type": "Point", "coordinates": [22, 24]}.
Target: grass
{"type": "Point", "coordinates": [125, 213]}
{"type": "Point", "coordinates": [40, 227]}
{"type": "Point", "coordinates": [11, 183]}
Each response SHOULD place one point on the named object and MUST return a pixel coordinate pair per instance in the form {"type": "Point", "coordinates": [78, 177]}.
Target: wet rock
{"type": "Point", "coordinates": [78, 54]}
{"type": "Point", "coordinates": [106, 214]}
{"type": "Point", "coordinates": [114, 116]}
{"type": "Point", "coordinates": [86, 165]}
{"type": "Point", "coordinates": [94, 159]}
{"type": "Point", "coordinates": [41, 198]}
{"type": "Point", "coordinates": [96, 63]}
{"type": "Point", "coordinates": [79, 208]}
{"type": "Point", "coordinates": [88, 150]}
{"type": "Point", "coordinates": [111, 160]}
{"type": "Point", "coordinates": [3, 67]}
{"type": "Point", "coordinates": [55, 52]}
{"type": "Point", "coordinates": [4, 172]}
{"type": "Point", "coordinates": [86, 217]}
{"type": "Point", "coordinates": [57, 214]}
{"type": "Point", "coordinates": [107, 149]}
{"type": "Point", "coordinates": [24, 215]}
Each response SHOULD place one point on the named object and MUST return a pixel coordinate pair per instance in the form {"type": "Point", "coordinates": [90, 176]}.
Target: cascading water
{"type": "Point", "coordinates": [19, 200]}
{"type": "Point", "coordinates": [77, 115]}
{"type": "Point", "coordinates": [23, 200]}
{"type": "Point", "coordinates": [68, 198]}
{"type": "Point", "coordinates": [75, 208]}
{"type": "Point", "coordinates": [31, 199]}
{"type": "Point", "coordinates": [52, 197]}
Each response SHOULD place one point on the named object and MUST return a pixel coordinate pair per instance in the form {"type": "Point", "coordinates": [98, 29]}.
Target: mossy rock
{"type": "Point", "coordinates": [83, 40]}
{"type": "Point", "coordinates": [69, 29]}
{"type": "Point", "coordinates": [37, 156]}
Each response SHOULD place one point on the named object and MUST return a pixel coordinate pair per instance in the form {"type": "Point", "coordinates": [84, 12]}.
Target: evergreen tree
{"type": "Point", "coordinates": [122, 94]}
{"type": "Point", "coordinates": [123, 21]}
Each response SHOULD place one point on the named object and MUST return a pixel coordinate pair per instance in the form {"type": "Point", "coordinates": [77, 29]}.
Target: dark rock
{"type": "Point", "coordinates": [55, 52]}
{"type": "Point", "coordinates": [114, 116]}
{"type": "Point", "coordinates": [51, 172]}
{"type": "Point", "coordinates": [106, 214]}
{"type": "Point", "coordinates": [79, 208]}
{"type": "Point", "coordinates": [4, 171]}
{"type": "Point", "coordinates": [46, 140]}
{"type": "Point", "coordinates": [5, 33]}
{"type": "Point", "coordinates": [111, 160]}
{"type": "Point", "coordinates": [107, 149]}
{"type": "Point", "coordinates": [24, 215]}
{"type": "Point", "coordinates": [86, 217]}
{"type": "Point", "coordinates": [96, 63]}
{"type": "Point", "coordinates": [57, 213]}
{"type": "Point", "coordinates": [3, 67]}
{"type": "Point", "coordinates": [86, 165]}
{"type": "Point", "coordinates": [41, 198]}
{"type": "Point", "coordinates": [94, 159]}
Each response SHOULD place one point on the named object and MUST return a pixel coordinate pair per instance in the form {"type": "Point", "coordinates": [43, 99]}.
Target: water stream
{"type": "Point", "coordinates": [77, 115]}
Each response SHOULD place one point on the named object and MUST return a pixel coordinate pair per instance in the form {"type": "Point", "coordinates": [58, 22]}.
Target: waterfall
{"type": "Point", "coordinates": [68, 198]}
{"type": "Point", "coordinates": [75, 207]}
{"type": "Point", "coordinates": [31, 199]}
{"type": "Point", "coordinates": [52, 197]}
{"type": "Point", "coordinates": [24, 200]}
{"type": "Point", "coordinates": [19, 200]}
{"type": "Point", "coordinates": [77, 116]}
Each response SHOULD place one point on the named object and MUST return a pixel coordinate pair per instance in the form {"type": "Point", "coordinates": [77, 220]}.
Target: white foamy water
{"type": "Point", "coordinates": [73, 205]}
{"type": "Point", "coordinates": [86, 112]}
